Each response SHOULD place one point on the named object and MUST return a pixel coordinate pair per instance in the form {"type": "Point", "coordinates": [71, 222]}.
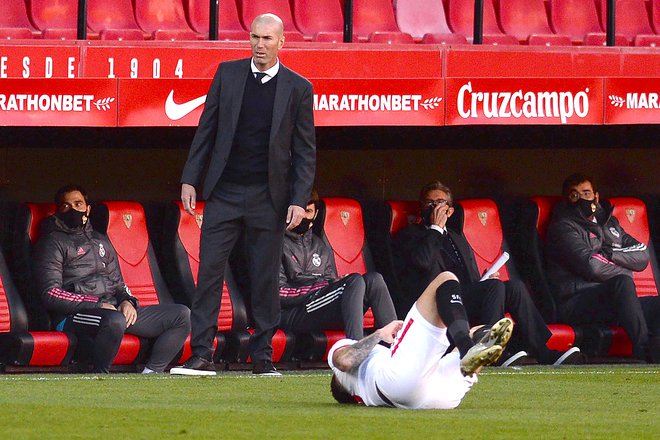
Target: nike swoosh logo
{"type": "Point", "coordinates": [176, 111]}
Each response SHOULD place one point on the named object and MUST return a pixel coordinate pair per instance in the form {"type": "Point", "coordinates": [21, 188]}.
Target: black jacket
{"type": "Point", "coordinates": [76, 269]}
{"type": "Point", "coordinates": [420, 256]}
{"type": "Point", "coordinates": [308, 264]}
{"type": "Point", "coordinates": [581, 253]}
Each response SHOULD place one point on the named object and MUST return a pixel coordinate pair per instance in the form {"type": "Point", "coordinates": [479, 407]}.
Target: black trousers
{"type": "Point", "coordinates": [615, 302]}
{"type": "Point", "coordinates": [487, 301]}
{"type": "Point", "coordinates": [100, 332]}
{"type": "Point", "coordinates": [231, 211]}
{"type": "Point", "coordinates": [341, 306]}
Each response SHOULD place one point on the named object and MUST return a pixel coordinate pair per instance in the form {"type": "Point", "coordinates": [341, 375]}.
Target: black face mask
{"type": "Point", "coordinates": [426, 215]}
{"type": "Point", "coordinates": [304, 226]}
{"type": "Point", "coordinates": [72, 218]}
{"type": "Point", "coordinates": [586, 207]}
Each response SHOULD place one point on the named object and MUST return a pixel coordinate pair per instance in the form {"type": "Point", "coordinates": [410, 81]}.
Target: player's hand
{"type": "Point", "coordinates": [108, 306]}
{"type": "Point", "coordinates": [188, 198]}
{"type": "Point", "coordinates": [293, 216]}
{"type": "Point", "coordinates": [388, 333]}
{"type": "Point", "coordinates": [129, 312]}
{"type": "Point", "coordinates": [440, 215]}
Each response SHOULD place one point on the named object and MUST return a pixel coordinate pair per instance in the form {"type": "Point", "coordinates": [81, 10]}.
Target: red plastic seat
{"type": "Point", "coordinates": [15, 16]}
{"type": "Point", "coordinates": [579, 20]}
{"type": "Point", "coordinates": [314, 16]}
{"type": "Point", "coordinates": [403, 213]}
{"type": "Point", "coordinates": [390, 38]}
{"type": "Point", "coordinates": [328, 37]}
{"type": "Point", "coordinates": [600, 39]}
{"type": "Point", "coordinates": [372, 16]}
{"type": "Point", "coordinates": [524, 18]}
{"type": "Point", "coordinates": [444, 39]}
{"type": "Point", "coordinates": [632, 215]}
{"type": "Point", "coordinates": [113, 20]}
{"type": "Point", "coordinates": [460, 17]}
{"type": "Point", "coordinates": [420, 17]}
{"type": "Point", "coordinates": [15, 34]}
{"type": "Point", "coordinates": [163, 20]}
{"type": "Point", "coordinates": [229, 23]}
{"type": "Point", "coordinates": [500, 40]}
{"type": "Point", "coordinates": [56, 20]}
{"type": "Point", "coordinates": [252, 8]}
{"type": "Point", "coordinates": [655, 15]}
{"type": "Point", "coordinates": [632, 18]}
{"type": "Point", "coordinates": [647, 40]}
{"type": "Point", "coordinates": [549, 40]}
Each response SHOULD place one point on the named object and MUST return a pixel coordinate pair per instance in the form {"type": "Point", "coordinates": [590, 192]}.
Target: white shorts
{"type": "Point", "coordinates": [416, 375]}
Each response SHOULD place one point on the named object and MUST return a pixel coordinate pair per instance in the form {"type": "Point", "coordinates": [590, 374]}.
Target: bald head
{"type": "Point", "coordinates": [266, 39]}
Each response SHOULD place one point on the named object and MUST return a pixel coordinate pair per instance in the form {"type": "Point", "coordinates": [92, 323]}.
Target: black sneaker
{"type": "Point", "coordinates": [509, 359]}
{"type": "Point", "coordinates": [265, 368]}
{"type": "Point", "coordinates": [556, 358]}
{"type": "Point", "coordinates": [195, 366]}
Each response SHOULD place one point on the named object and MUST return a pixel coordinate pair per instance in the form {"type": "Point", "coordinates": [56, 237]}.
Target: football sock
{"type": "Point", "coordinates": [451, 310]}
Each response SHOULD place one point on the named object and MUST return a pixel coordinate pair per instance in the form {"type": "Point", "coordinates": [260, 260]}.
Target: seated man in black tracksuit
{"type": "Point", "coordinates": [313, 297]}
{"type": "Point", "coordinates": [429, 248]}
{"type": "Point", "coordinates": [80, 283]}
{"type": "Point", "coordinates": [590, 260]}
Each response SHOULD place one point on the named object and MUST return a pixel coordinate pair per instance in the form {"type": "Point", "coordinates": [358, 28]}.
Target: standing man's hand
{"type": "Point", "coordinates": [189, 197]}
{"type": "Point", "coordinates": [129, 312]}
{"type": "Point", "coordinates": [293, 216]}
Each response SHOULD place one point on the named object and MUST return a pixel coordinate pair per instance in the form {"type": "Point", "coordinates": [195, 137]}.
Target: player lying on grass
{"type": "Point", "coordinates": [414, 372]}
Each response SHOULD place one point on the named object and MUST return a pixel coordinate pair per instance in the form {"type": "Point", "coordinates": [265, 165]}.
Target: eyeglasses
{"type": "Point", "coordinates": [434, 203]}
{"type": "Point", "coordinates": [576, 195]}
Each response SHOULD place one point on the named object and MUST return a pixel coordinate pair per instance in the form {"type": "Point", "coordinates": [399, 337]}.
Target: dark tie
{"type": "Point", "coordinates": [259, 76]}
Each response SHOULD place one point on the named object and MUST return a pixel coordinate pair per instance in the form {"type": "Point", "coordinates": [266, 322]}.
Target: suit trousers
{"type": "Point", "coordinates": [232, 210]}
{"type": "Point", "coordinates": [487, 301]}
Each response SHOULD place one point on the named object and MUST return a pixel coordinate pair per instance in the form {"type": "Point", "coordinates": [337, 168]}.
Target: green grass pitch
{"type": "Point", "coordinates": [591, 402]}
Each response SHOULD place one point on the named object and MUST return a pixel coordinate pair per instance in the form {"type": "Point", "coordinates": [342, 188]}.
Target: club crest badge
{"type": "Point", "coordinates": [630, 213]}
{"type": "Point", "coordinates": [614, 232]}
{"type": "Point", "coordinates": [128, 220]}
{"type": "Point", "coordinates": [483, 217]}
{"type": "Point", "coordinates": [345, 217]}
{"type": "Point", "coordinates": [199, 218]}
{"type": "Point", "coordinates": [316, 260]}
{"type": "Point", "coordinates": [101, 250]}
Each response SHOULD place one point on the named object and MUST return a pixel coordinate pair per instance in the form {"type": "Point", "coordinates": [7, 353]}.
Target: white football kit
{"type": "Point", "coordinates": [412, 374]}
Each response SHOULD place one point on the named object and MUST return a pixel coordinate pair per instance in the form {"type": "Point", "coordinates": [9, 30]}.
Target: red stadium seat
{"type": "Point", "coordinates": [460, 17]}
{"type": "Point", "coordinates": [328, 37]}
{"type": "Point", "coordinates": [251, 8]}
{"type": "Point", "coordinates": [444, 39]}
{"type": "Point", "coordinates": [180, 258]}
{"type": "Point", "coordinates": [420, 17]}
{"type": "Point", "coordinates": [20, 347]}
{"type": "Point", "coordinates": [632, 18]}
{"type": "Point", "coordinates": [14, 21]}
{"type": "Point", "coordinates": [549, 40]}
{"type": "Point", "coordinates": [372, 16]}
{"type": "Point", "coordinates": [163, 20]}
{"type": "Point", "coordinates": [633, 217]}
{"type": "Point", "coordinates": [575, 18]}
{"type": "Point", "coordinates": [647, 40]}
{"type": "Point", "coordinates": [600, 39]}
{"type": "Point", "coordinates": [15, 34]}
{"type": "Point", "coordinates": [390, 38]}
{"type": "Point", "coordinates": [229, 23]}
{"type": "Point", "coordinates": [315, 16]}
{"type": "Point", "coordinates": [524, 19]}
{"type": "Point", "coordinates": [113, 20]}
{"type": "Point", "coordinates": [655, 15]}
{"type": "Point", "coordinates": [56, 20]}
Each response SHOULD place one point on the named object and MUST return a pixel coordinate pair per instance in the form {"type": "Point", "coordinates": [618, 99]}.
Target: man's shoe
{"type": "Point", "coordinates": [513, 360]}
{"type": "Point", "coordinates": [265, 368]}
{"type": "Point", "coordinates": [479, 356]}
{"type": "Point", "coordinates": [195, 366]}
{"type": "Point", "coordinates": [570, 357]}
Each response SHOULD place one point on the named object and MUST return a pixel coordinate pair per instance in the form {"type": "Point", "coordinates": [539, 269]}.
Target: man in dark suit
{"type": "Point", "coordinates": [256, 141]}
{"type": "Point", "coordinates": [429, 248]}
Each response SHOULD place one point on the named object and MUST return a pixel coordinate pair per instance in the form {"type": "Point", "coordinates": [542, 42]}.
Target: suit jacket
{"type": "Point", "coordinates": [292, 146]}
{"type": "Point", "coordinates": [421, 259]}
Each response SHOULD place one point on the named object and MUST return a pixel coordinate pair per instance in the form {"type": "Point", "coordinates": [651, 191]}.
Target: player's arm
{"type": "Point", "coordinates": [350, 357]}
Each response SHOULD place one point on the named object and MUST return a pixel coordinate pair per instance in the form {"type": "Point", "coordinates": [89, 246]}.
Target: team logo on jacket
{"type": "Point", "coordinates": [614, 231]}
{"type": "Point", "coordinates": [483, 217]}
{"type": "Point", "coordinates": [630, 213]}
{"type": "Point", "coordinates": [128, 220]}
{"type": "Point", "coordinates": [316, 260]}
{"type": "Point", "coordinates": [101, 250]}
{"type": "Point", "coordinates": [345, 217]}
{"type": "Point", "coordinates": [199, 218]}
{"type": "Point", "coordinates": [80, 251]}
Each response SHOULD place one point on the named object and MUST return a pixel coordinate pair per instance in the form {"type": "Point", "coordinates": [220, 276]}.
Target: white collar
{"type": "Point", "coordinates": [269, 72]}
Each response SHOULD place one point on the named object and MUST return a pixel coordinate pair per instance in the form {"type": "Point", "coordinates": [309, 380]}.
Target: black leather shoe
{"type": "Point", "coordinates": [265, 368]}
{"type": "Point", "coordinates": [195, 366]}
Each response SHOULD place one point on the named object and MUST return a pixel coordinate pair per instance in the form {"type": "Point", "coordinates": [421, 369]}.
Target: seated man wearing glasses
{"type": "Point", "coordinates": [428, 248]}
{"type": "Point", "coordinates": [590, 264]}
